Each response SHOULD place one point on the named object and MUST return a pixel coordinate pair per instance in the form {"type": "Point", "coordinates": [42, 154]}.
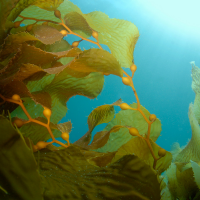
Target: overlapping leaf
{"type": "Point", "coordinates": [18, 169]}
{"type": "Point", "coordinates": [119, 35]}
{"type": "Point", "coordinates": [74, 172]}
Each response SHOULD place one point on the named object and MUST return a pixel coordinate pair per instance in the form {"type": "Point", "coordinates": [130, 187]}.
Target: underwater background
{"type": "Point", "coordinates": [51, 51]}
{"type": "Point", "coordinates": [169, 40]}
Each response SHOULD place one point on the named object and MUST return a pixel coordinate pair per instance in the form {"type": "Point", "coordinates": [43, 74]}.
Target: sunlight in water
{"type": "Point", "coordinates": [183, 15]}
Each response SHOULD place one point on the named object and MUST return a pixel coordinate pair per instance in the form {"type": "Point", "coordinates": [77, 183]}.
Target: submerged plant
{"type": "Point", "coordinates": [40, 71]}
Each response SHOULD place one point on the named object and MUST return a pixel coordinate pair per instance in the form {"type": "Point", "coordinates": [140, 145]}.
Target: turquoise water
{"type": "Point", "coordinates": [163, 80]}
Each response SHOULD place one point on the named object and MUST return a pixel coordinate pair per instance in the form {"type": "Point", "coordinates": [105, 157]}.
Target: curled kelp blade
{"type": "Point", "coordinates": [74, 172]}
{"type": "Point", "coordinates": [18, 170]}
{"type": "Point", "coordinates": [101, 114]}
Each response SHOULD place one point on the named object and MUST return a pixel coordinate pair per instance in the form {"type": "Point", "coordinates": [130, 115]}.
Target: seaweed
{"type": "Point", "coordinates": [39, 72]}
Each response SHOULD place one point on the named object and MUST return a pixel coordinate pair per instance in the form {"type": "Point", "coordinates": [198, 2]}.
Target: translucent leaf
{"type": "Point", "coordinates": [130, 118]}
{"type": "Point", "coordinates": [137, 180]}
{"type": "Point", "coordinates": [119, 35]}
{"type": "Point", "coordinates": [76, 21]}
{"type": "Point", "coordinates": [18, 169]}
{"type": "Point", "coordinates": [96, 60]}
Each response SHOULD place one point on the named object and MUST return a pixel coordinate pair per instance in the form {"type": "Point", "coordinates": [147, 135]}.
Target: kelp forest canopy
{"type": "Point", "coordinates": [39, 72]}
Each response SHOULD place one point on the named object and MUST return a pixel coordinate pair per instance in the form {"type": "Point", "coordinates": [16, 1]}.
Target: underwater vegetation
{"type": "Point", "coordinates": [40, 71]}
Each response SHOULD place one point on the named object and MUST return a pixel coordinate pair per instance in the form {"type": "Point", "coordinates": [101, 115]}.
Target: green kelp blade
{"type": "Point", "coordinates": [128, 178]}
{"type": "Point", "coordinates": [65, 86]}
{"type": "Point", "coordinates": [129, 118]}
{"type": "Point", "coordinates": [101, 114]}
{"type": "Point", "coordinates": [139, 147]}
{"type": "Point", "coordinates": [18, 169]}
{"type": "Point", "coordinates": [97, 60]}
{"type": "Point", "coordinates": [76, 21]}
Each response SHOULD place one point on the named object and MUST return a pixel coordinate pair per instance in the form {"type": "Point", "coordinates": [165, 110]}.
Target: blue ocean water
{"type": "Point", "coordinates": [163, 78]}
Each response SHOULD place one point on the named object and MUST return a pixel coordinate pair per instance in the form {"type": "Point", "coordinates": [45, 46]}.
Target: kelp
{"type": "Point", "coordinates": [40, 71]}
{"type": "Point", "coordinates": [127, 178]}
{"type": "Point", "coordinates": [130, 118]}
{"type": "Point", "coordinates": [119, 35]}
{"type": "Point", "coordinates": [101, 114]}
{"type": "Point", "coordinates": [18, 170]}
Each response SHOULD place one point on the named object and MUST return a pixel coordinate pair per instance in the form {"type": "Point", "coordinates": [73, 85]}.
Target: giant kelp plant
{"type": "Point", "coordinates": [39, 72]}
